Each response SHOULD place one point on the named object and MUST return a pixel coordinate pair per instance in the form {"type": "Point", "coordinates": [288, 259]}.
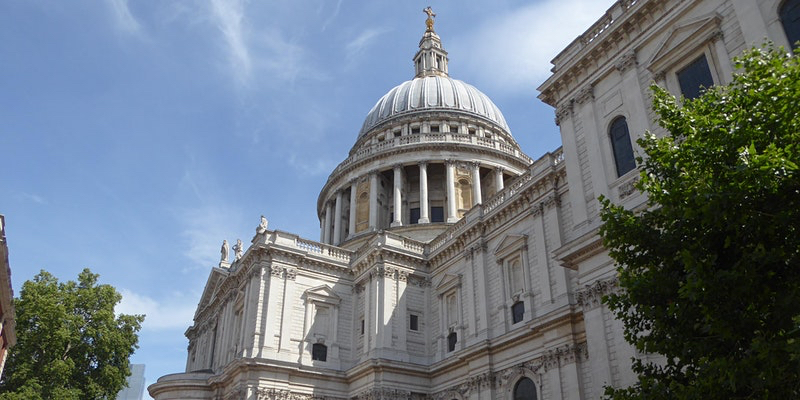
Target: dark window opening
{"type": "Point", "coordinates": [437, 214]}
{"type": "Point", "coordinates": [435, 128]}
{"type": "Point", "coordinates": [414, 215]}
{"type": "Point", "coordinates": [319, 352]}
{"type": "Point", "coordinates": [415, 130]}
{"type": "Point", "coordinates": [790, 18]}
{"type": "Point", "coordinates": [413, 322]}
{"type": "Point", "coordinates": [621, 146]}
{"type": "Point", "coordinates": [362, 326]}
{"type": "Point", "coordinates": [452, 339]}
{"type": "Point", "coordinates": [397, 134]}
{"type": "Point", "coordinates": [525, 389]}
{"type": "Point", "coordinates": [695, 78]}
{"type": "Point", "coordinates": [472, 131]}
{"type": "Point", "coordinates": [517, 311]}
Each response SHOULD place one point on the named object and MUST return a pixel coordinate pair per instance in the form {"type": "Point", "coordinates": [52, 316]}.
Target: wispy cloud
{"type": "Point", "coordinates": [513, 51]}
{"type": "Point", "coordinates": [332, 15]}
{"type": "Point", "coordinates": [30, 198]}
{"type": "Point", "coordinates": [229, 18]}
{"type": "Point", "coordinates": [174, 312]}
{"type": "Point", "coordinates": [125, 21]}
{"type": "Point", "coordinates": [356, 47]}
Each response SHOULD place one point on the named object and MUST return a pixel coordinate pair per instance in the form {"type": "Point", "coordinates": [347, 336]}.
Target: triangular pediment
{"type": "Point", "coordinates": [322, 293]}
{"type": "Point", "coordinates": [215, 278]}
{"type": "Point", "coordinates": [447, 282]}
{"type": "Point", "coordinates": [510, 243]}
{"type": "Point", "coordinates": [683, 39]}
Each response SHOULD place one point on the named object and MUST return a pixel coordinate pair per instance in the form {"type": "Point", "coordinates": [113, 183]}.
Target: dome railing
{"type": "Point", "coordinates": [491, 143]}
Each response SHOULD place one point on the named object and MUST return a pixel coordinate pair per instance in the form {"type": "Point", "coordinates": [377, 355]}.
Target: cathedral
{"type": "Point", "coordinates": [450, 264]}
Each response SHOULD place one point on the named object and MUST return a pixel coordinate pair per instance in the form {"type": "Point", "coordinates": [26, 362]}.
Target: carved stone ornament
{"type": "Point", "coordinates": [627, 188]}
{"type": "Point", "coordinates": [626, 61]}
{"type": "Point", "coordinates": [563, 111]}
{"type": "Point", "coordinates": [584, 95]}
{"type": "Point", "coordinates": [591, 295]}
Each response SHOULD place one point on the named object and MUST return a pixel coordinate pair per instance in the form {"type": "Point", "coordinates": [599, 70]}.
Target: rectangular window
{"type": "Point", "coordinates": [517, 312]}
{"type": "Point", "coordinates": [362, 326]}
{"type": "Point", "coordinates": [415, 130]}
{"type": "Point", "coordinates": [437, 214]}
{"type": "Point", "coordinates": [413, 322]}
{"type": "Point", "coordinates": [414, 215]}
{"type": "Point", "coordinates": [452, 339]}
{"type": "Point", "coordinates": [434, 128]}
{"type": "Point", "coordinates": [695, 78]}
{"type": "Point", "coordinates": [319, 352]}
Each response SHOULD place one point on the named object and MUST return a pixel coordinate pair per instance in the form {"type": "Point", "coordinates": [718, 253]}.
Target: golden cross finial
{"type": "Point", "coordinates": [431, 16]}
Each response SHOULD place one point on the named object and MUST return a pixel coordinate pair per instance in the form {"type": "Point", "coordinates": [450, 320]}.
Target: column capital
{"type": "Point", "coordinates": [475, 164]}
{"type": "Point", "coordinates": [423, 163]}
{"type": "Point", "coordinates": [397, 166]}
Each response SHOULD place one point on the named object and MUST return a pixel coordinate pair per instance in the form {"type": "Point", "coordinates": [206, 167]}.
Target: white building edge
{"type": "Point", "coordinates": [488, 282]}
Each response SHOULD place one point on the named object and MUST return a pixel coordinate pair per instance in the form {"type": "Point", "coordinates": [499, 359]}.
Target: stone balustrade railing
{"type": "Point", "coordinates": [368, 151]}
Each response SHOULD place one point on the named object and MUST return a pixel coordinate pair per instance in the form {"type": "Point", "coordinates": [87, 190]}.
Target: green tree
{"type": "Point", "coordinates": [70, 344]}
{"type": "Point", "coordinates": [710, 271]}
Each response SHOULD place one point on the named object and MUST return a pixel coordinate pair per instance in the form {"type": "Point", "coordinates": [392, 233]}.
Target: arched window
{"type": "Point", "coordinates": [525, 389]}
{"type": "Point", "coordinates": [621, 145]}
{"type": "Point", "coordinates": [319, 352]}
{"type": "Point", "coordinates": [790, 18]}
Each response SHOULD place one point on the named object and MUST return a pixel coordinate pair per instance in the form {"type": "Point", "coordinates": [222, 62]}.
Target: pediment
{"type": "Point", "coordinates": [683, 39]}
{"type": "Point", "coordinates": [447, 282]}
{"type": "Point", "coordinates": [511, 242]}
{"type": "Point", "coordinates": [322, 293]}
{"type": "Point", "coordinates": [215, 278]}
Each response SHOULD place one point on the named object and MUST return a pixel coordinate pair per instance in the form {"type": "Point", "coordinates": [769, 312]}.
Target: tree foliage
{"type": "Point", "coordinates": [70, 344]}
{"type": "Point", "coordinates": [710, 271]}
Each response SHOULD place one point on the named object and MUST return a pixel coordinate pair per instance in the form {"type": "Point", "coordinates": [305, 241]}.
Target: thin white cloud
{"type": "Point", "coordinates": [125, 20]}
{"type": "Point", "coordinates": [175, 312]}
{"type": "Point", "coordinates": [356, 47]}
{"type": "Point", "coordinates": [228, 16]}
{"type": "Point", "coordinates": [332, 15]}
{"type": "Point", "coordinates": [513, 51]}
{"type": "Point", "coordinates": [30, 197]}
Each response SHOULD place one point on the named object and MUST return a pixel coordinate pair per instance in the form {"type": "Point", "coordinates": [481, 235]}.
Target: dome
{"type": "Point", "coordinates": [430, 93]}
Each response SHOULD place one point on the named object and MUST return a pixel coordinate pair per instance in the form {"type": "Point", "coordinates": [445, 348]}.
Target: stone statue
{"type": "Point", "coordinates": [431, 16]}
{"type": "Point", "coordinates": [262, 227]}
{"type": "Point", "coordinates": [224, 251]}
{"type": "Point", "coordinates": [238, 249]}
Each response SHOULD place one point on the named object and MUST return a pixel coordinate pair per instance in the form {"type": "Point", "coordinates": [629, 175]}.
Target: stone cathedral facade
{"type": "Point", "coordinates": [450, 265]}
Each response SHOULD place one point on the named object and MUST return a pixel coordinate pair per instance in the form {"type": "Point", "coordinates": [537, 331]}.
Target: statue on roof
{"type": "Point", "coordinates": [262, 227]}
{"type": "Point", "coordinates": [238, 249]}
{"type": "Point", "coordinates": [431, 15]}
{"type": "Point", "coordinates": [224, 251]}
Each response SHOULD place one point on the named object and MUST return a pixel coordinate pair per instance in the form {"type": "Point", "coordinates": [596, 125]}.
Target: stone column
{"type": "Point", "coordinates": [337, 219]}
{"type": "Point", "coordinates": [326, 234]}
{"type": "Point", "coordinates": [451, 191]}
{"type": "Point", "coordinates": [373, 200]}
{"type": "Point", "coordinates": [398, 196]}
{"type": "Point", "coordinates": [353, 200]}
{"type": "Point", "coordinates": [476, 183]}
{"type": "Point", "coordinates": [423, 194]}
{"type": "Point", "coordinates": [498, 179]}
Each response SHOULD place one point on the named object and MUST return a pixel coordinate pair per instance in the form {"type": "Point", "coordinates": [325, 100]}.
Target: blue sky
{"type": "Point", "coordinates": [136, 135]}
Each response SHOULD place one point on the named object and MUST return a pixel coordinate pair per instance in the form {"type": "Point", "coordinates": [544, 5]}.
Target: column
{"type": "Point", "coordinates": [398, 196]}
{"type": "Point", "coordinates": [498, 179]}
{"type": "Point", "coordinates": [423, 194]}
{"type": "Point", "coordinates": [353, 200]}
{"type": "Point", "coordinates": [326, 234]}
{"type": "Point", "coordinates": [373, 200]}
{"type": "Point", "coordinates": [476, 183]}
{"type": "Point", "coordinates": [451, 191]}
{"type": "Point", "coordinates": [337, 219]}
